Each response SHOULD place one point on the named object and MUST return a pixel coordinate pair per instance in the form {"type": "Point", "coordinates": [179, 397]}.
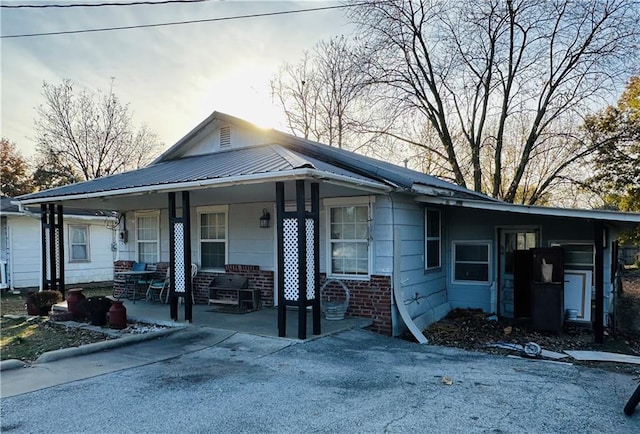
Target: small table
{"type": "Point", "coordinates": [131, 280]}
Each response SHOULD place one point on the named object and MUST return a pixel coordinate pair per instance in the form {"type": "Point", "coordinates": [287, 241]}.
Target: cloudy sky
{"type": "Point", "coordinates": [172, 76]}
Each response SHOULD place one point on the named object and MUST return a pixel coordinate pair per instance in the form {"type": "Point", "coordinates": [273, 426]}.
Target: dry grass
{"type": "Point", "coordinates": [25, 338]}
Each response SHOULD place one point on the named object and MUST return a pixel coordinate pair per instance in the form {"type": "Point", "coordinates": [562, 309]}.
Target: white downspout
{"type": "Point", "coordinates": [404, 313]}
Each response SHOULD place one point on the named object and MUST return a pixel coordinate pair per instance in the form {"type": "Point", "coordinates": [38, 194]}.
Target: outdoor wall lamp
{"type": "Point", "coordinates": [264, 219]}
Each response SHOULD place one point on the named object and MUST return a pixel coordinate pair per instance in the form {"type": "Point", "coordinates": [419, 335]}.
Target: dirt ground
{"type": "Point", "coordinates": [473, 330]}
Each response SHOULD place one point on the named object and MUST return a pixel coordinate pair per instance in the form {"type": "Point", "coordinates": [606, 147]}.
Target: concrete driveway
{"type": "Point", "coordinates": [206, 381]}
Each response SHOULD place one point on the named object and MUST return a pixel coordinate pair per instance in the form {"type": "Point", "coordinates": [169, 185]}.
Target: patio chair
{"type": "Point", "coordinates": [158, 286]}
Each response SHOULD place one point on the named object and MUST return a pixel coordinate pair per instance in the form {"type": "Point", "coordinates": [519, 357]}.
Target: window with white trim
{"type": "Point", "coordinates": [432, 239]}
{"type": "Point", "coordinates": [212, 233]}
{"type": "Point", "coordinates": [472, 261]}
{"type": "Point", "coordinates": [78, 243]}
{"type": "Point", "coordinates": [148, 237]}
{"type": "Point", "coordinates": [349, 240]}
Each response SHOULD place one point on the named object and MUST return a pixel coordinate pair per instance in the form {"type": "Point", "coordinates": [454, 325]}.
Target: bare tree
{"type": "Point", "coordinates": [499, 80]}
{"type": "Point", "coordinates": [325, 96]}
{"type": "Point", "coordinates": [93, 135]}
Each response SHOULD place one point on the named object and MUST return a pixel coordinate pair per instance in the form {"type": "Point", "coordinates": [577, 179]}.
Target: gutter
{"type": "Point", "coordinates": [218, 183]}
{"type": "Point", "coordinates": [627, 217]}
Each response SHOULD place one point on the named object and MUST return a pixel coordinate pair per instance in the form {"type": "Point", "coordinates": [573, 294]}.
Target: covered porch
{"type": "Point", "coordinates": [263, 322]}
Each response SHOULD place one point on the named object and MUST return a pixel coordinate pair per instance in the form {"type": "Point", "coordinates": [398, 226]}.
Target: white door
{"type": "Point", "coordinates": [577, 293]}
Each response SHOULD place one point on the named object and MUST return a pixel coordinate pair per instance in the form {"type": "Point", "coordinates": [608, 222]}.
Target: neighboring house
{"type": "Point", "coordinates": [88, 241]}
{"type": "Point", "coordinates": [408, 246]}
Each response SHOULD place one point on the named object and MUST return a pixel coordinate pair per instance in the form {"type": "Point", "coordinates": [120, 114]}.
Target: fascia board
{"type": "Point", "coordinates": [224, 182]}
{"type": "Point", "coordinates": [535, 210]}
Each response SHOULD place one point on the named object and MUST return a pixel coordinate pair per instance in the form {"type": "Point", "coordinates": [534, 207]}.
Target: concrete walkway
{"type": "Point", "coordinates": [202, 380]}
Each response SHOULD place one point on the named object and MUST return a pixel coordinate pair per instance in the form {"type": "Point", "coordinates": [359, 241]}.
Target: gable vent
{"type": "Point", "coordinates": [225, 137]}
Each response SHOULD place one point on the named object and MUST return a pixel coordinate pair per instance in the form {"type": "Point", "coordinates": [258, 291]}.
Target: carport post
{"type": "Point", "coordinates": [282, 308]}
{"type": "Point", "coordinates": [180, 257]}
{"type": "Point", "coordinates": [52, 232]}
{"type": "Point", "coordinates": [598, 241]}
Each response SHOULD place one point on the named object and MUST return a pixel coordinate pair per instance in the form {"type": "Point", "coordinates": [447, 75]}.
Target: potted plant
{"type": "Point", "coordinates": [40, 303]}
{"type": "Point", "coordinates": [95, 308]}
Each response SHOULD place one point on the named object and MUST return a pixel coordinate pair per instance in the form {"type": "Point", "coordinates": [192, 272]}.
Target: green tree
{"type": "Point", "coordinates": [92, 134]}
{"type": "Point", "coordinates": [14, 177]}
{"type": "Point", "coordinates": [617, 163]}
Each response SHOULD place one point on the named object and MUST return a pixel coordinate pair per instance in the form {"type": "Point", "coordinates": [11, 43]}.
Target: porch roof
{"type": "Point", "coordinates": [237, 166]}
{"type": "Point", "coordinates": [627, 219]}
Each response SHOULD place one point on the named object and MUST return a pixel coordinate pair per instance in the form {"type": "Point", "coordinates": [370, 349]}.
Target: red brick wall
{"type": "Point", "coordinates": [368, 299]}
{"type": "Point", "coordinates": [260, 279]}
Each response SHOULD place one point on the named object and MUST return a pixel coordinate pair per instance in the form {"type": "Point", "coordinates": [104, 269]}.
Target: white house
{"type": "Point", "coordinates": [408, 246]}
{"type": "Point", "coordinates": [89, 246]}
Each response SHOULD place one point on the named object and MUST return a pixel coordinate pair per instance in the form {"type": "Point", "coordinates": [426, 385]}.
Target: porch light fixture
{"type": "Point", "coordinates": [264, 219]}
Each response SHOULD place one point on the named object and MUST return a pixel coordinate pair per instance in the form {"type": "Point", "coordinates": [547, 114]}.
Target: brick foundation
{"type": "Point", "coordinates": [369, 299]}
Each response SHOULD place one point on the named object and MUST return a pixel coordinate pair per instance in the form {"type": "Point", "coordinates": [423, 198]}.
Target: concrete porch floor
{"type": "Point", "coordinates": [263, 322]}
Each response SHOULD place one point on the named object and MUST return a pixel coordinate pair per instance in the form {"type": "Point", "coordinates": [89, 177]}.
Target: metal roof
{"type": "Point", "coordinates": [235, 163]}
{"type": "Point", "coordinates": [7, 207]}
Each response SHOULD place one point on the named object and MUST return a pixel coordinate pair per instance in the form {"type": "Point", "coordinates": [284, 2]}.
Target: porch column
{"type": "Point", "coordinates": [298, 258]}
{"type": "Point", "coordinates": [180, 285]}
{"type": "Point", "coordinates": [598, 280]}
{"type": "Point", "coordinates": [52, 232]}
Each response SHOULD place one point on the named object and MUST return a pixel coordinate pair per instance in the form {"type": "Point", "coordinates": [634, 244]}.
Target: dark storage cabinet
{"type": "Point", "coordinates": [547, 301]}
{"type": "Point", "coordinates": [547, 289]}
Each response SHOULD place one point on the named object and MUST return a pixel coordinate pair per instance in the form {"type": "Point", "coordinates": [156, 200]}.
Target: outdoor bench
{"type": "Point", "coordinates": [238, 287]}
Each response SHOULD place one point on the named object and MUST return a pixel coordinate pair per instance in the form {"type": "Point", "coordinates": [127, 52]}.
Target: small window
{"type": "Point", "coordinates": [213, 239]}
{"type": "Point", "coordinates": [471, 261]}
{"type": "Point", "coordinates": [349, 240]}
{"type": "Point", "coordinates": [78, 243]}
{"type": "Point", "coordinates": [148, 238]}
{"type": "Point", "coordinates": [432, 239]}
{"type": "Point", "coordinates": [225, 137]}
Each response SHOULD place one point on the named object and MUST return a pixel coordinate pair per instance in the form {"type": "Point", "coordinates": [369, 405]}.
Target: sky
{"type": "Point", "coordinates": [173, 77]}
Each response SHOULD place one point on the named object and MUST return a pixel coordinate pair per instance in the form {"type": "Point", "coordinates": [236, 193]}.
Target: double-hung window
{"type": "Point", "coordinates": [349, 240]}
{"type": "Point", "coordinates": [78, 243]}
{"type": "Point", "coordinates": [148, 237]}
{"type": "Point", "coordinates": [471, 261]}
{"type": "Point", "coordinates": [212, 230]}
{"type": "Point", "coordinates": [432, 239]}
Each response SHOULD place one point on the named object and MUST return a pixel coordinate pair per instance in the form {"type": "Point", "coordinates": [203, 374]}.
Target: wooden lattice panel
{"type": "Point", "coordinates": [178, 231]}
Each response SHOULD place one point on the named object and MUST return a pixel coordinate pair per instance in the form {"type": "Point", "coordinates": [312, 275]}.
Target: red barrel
{"type": "Point", "coordinates": [117, 315]}
{"type": "Point", "coordinates": [74, 299]}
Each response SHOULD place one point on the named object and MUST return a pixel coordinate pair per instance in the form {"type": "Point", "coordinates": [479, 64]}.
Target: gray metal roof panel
{"type": "Point", "coordinates": [219, 165]}
{"type": "Point", "coordinates": [373, 168]}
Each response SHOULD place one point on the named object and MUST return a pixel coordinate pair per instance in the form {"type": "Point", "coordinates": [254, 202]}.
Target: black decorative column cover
{"type": "Point", "coordinates": [180, 257]}
{"type": "Point", "coordinates": [298, 258]}
{"type": "Point", "coordinates": [52, 232]}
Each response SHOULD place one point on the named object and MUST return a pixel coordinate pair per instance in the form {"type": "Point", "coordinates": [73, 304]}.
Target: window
{"type": "Point", "coordinates": [349, 240]}
{"type": "Point", "coordinates": [471, 261]}
{"type": "Point", "coordinates": [432, 239]}
{"type": "Point", "coordinates": [148, 237]}
{"type": "Point", "coordinates": [78, 243]}
{"type": "Point", "coordinates": [212, 231]}
{"type": "Point", "coordinates": [577, 256]}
